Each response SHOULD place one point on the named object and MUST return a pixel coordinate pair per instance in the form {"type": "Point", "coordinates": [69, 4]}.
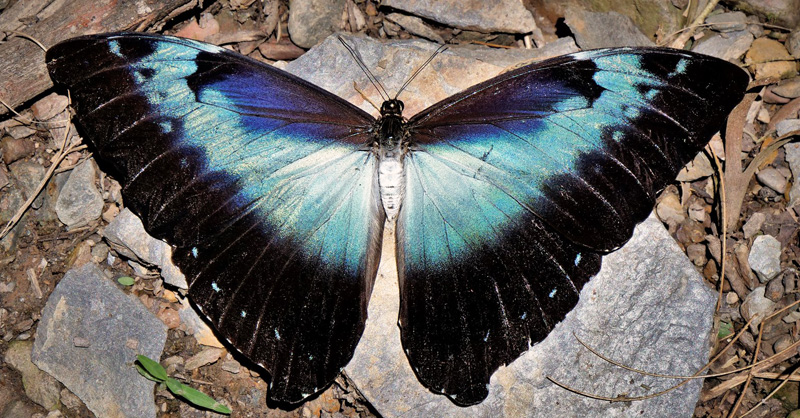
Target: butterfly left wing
{"type": "Point", "coordinates": [263, 182]}
{"type": "Point", "coordinates": [517, 186]}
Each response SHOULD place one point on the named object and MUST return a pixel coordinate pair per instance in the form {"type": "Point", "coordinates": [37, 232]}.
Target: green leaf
{"type": "Point", "coordinates": [144, 373]}
{"type": "Point", "coordinates": [125, 280]}
{"type": "Point", "coordinates": [725, 330]}
{"type": "Point", "coordinates": [195, 397]}
{"type": "Point", "coordinates": [152, 368]}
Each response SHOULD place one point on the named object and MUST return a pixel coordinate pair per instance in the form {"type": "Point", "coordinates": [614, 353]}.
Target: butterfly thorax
{"type": "Point", "coordinates": [391, 134]}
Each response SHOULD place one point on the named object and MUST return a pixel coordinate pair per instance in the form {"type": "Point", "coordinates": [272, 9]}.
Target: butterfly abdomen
{"type": "Point", "coordinates": [391, 133]}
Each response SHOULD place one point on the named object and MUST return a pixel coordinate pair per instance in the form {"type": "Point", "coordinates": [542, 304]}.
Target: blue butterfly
{"type": "Point", "coordinates": [275, 193]}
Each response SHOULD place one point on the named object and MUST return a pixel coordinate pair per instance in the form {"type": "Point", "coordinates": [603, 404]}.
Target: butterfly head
{"type": "Point", "coordinates": [392, 107]}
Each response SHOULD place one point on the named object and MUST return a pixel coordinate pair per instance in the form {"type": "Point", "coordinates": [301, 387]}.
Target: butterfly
{"type": "Point", "coordinates": [275, 192]}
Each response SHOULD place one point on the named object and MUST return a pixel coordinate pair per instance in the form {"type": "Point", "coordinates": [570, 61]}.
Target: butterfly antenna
{"type": "Point", "coordinates": [438, 51]}
{"type": "Point", "coordinates": [370, 76]}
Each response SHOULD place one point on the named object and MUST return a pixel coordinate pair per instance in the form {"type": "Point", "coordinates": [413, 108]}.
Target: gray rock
{"type": "Point", "coordinates": [756, 306]}
{"type": "Point", "coordinates": [39, 386]}
{"type": "Point", "coordinates": [778, 12]}
{"type": "Point", "coordinates": [727, 22]}
{"type": "Point", "coordinates": [765, 257]}
{"type": "Point", "coordinates": [310, 21]}
{"type": "Point", "coordinates": [754, 224]}
{"type": "Point", "coordinates": [787, 125]}
{"type": "Point", "coordinates": [79, 201]}
{"type": "Point", "coordinates": [128, 237]}
{"type": "Point", "coordinates": [416, 26]}
{"type": "Point", "coordinates": [647, 285]}
{"type": "Point", "coordinates": [27, 176]}
{"type": "Point", "coordinates": [602, 30]}
{"type": "Point", "coordinates": [773, 179]}
{"type": "Point", "coordinates": [101, 375]}
{"type": "Point", "coordinates": [728, 46]}
{"type": "Point", "coordinates": [793, 158]}
{"type": "Point", "coordinates": [20, 131]}
{"type": "Point", "coordinates": [508, 16]}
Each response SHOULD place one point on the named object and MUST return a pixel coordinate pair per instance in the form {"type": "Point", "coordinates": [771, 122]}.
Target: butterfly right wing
{"type": "Point", "coordinates": [264, 183]}
{"type": "Point", "coordinates": [517, 186]}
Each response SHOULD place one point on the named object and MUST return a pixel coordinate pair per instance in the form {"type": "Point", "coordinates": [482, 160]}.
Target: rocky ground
{"type": "Point", "coordinates": [737, 207]}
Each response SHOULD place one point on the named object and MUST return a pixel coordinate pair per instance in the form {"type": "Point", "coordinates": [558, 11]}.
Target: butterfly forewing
{"type": "Point", "coordinates": [516, 187]}
{"type": "Point", "coordinates": [261, 180]}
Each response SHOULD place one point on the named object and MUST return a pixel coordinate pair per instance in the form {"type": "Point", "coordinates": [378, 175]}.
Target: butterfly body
{"type": "Point", "coordinates": [391, 139]}
{"type": "Point", "coordinates": [275, 193]}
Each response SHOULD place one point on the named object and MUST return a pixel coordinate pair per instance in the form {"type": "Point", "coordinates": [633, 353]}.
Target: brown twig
{"type": "Point", "coordinates": [681, 40]}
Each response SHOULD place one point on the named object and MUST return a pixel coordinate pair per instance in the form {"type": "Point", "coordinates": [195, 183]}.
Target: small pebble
{"type": "Point", "coordinates": [690, 231]}
{"type": "Point", "coordinates": [7, 287]}
{"type": "Point", "coordinates": [49, 106]}
{"type": "Point", "coordinates": [783, 342]}
{"type": "Point", "coordinates": [697, 254]}
{"type": "Point", "coordinates": [754, 224]}
{"type": "Point", "coordinates": [788, 88]}
{"type": "Point", "coordinates": [731, 298]}
{"type": "Point", "coordinates": [669, 209]}
{"type": "Point", "coordinates": [207, 356]}
{"type": "Point", "coordinates": [697, 210]}
{"type": "Point", "coordinates": [15, 149]}
{"type": "Point", "coordinates": [773, 179]}
{"type": "Point", "coordinates": [756, 306]}
{"type": "Point", "coordinates": [173, 364]}
{"type": "Point", "coordinates": [231, 366]}
{"type": "Point", "coordinates": [774, 290]}
{"type": "Point", "coordinates": [765, 257]}
{"type": "Point", "coordinates": [714, 247]}
{"type": "Point", "coordinates": [792, 317]}
{"type": "Point", "coordinates": [371, 10]}
{"type": "Point", "coordinates": [169, 317]}
{"type": "Point", "coordinates": [24, 325]}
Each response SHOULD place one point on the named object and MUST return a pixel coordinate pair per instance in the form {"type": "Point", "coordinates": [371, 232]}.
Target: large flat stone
{"type": "Point", "coordinates": [647, 308]}
{"type": "Point", "coordinates": [87, 307]}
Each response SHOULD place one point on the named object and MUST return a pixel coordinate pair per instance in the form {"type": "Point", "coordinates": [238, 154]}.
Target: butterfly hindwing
{"type": "Point", "coordinates": [261, 180]}
{"type": "Point", "coordinates": [516, 186]}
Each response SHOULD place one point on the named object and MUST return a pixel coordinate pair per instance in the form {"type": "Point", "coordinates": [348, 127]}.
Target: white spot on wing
{"type": "Point", "coordinates": [113, 46]}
